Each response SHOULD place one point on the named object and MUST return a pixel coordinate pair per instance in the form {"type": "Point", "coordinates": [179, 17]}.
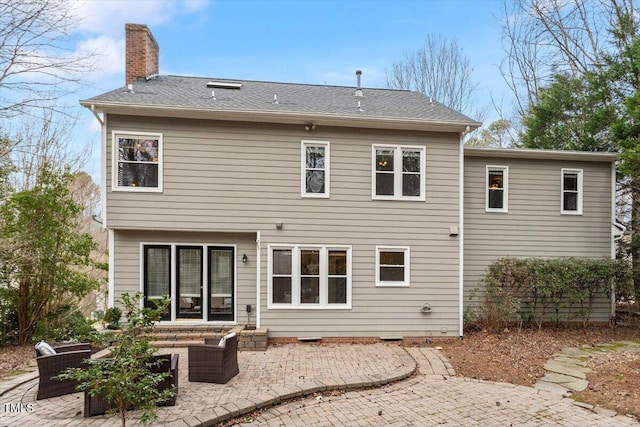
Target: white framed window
{"type": "Point", "coordinates": [392, 266]}
{"type": "Point", "coordinates": [309, 277]}
{"type": "Point", "coordinates": [571, 192]}
{"type": "Point", "coordinates": [398, 172]}
{"type": "Point", "coordinates": [315, 157]}
{"type": "Point", "coordinates": [497, 189]}
{"type": "Point", "coordinates": [137, 161]}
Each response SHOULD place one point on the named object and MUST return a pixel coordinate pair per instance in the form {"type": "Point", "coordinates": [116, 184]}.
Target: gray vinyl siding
{"type": "Point", "coordinates": [243, 178]}
{"type": "Point", "coordinates": [533, 226]}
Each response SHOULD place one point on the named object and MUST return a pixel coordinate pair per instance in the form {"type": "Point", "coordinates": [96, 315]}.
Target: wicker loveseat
{"type": "Point", "coordinates": [96, 405]}
{"type": "Point", "coordinates": [212, 362]}
{"type": "Point", "coordinates": [50, 365]}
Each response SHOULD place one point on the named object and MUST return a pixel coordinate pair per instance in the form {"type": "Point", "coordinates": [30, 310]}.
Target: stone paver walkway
{"type": "Point", "coordinates": [395, 396]}
{"type": "Point", "coordinates": [567, 371]}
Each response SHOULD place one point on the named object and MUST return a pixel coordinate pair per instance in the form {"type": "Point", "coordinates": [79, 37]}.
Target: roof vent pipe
{"type": "Point", "coordinates": [358, 87]}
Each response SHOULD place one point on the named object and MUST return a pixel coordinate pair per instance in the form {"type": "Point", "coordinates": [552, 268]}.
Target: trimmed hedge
{"type": "Point", "coordinates": [535, 290]}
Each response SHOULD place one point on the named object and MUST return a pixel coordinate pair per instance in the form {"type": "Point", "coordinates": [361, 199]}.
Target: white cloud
{"type": "Point", "coordinates": [109, 17]}
{"type": "Point", "coordinates": [108, 51]}
{"type": "Point", "coordinates": [100, 27]}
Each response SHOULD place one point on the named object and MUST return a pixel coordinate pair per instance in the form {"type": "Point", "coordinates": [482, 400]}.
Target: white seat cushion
{"type": "Point", "coordinates": [44, 349]}
{"type": "Point", "coordinates": [223, 340]}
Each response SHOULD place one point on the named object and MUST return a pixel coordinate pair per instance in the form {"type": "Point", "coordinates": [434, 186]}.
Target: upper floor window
{"type": "Point", "coordinates": [571, 193]}
{"type": "Point", "coordinates": [137, 161]}
{"type": "Point", "coordinates": [497, 189]}
{"type": "Point", "coordinates": [315, 169]}
{"type": "Point", "coordinates": [392, 266]}
{"type": "Point", "coordinates": [398, 172]}
{"type": "Point", "coordinates": [309, 276]}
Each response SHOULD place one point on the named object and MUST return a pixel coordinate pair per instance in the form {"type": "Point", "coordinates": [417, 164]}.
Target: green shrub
{"type": "Point", "coordinates": [126, 379]}
{"type": "Point", "coordinates": [112, 317]}
{"type": "Point", "coordinates": [535, 290]}
{"type": "Point", "coordinates": [68, 325]}
{"type": "Point", "coordinates": [8, 315]}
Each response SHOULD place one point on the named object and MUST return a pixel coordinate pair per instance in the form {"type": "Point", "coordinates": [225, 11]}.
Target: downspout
{"type": "Point", "coordinates": [103, 204]}
{"type": "Point", "coordinates": [258, 267]}
{"type": "Point", "coordinates": [103, 166]}
{"type": "Point", "coordinates": [461, 235]}
{"type": "Point", "coordinates": [111, 290]}
{"type": "Point", "coordinates": [93, 110]}
{"type": "Point", "coordinates": [614, 238]}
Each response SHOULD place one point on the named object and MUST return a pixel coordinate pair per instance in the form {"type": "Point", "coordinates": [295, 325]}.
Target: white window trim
{"type": "Point", "coordinates": [505, 189]}
{"type": "Point", "coordinates": [303, 168]}
{"type": "Point", "coordinates": [205, 274]}
{"type": "Point", "coordinates": [295, 279]}
{"type": "Point", "coordinates": [114, 161]}
{"type": "Point", "coordinates": [407, 263]}
{"type": "Point", "coordinates": [397, 172]}
{"type": "Point", "coordinates": [579, 172]}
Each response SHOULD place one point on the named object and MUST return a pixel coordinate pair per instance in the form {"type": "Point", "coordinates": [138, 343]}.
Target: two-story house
{"type": "Point", "coordinates": [323, 211]}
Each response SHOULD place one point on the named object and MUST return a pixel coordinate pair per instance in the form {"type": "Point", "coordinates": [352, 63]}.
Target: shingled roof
{"type": "Point", "coordinates": [270, 100]}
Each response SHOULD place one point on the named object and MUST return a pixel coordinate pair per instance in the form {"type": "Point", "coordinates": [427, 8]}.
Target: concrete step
{"type": "Point", "coordinates": [189, 329]}
{"type": "Point", "coordinates": [174, 343]}
{"type": "Point", "coordinates": [184, 336]}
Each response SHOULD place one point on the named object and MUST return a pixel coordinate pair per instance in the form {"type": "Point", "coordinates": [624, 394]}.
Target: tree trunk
{"type": "Point", "coordinates": [635, 233]}
{"type": "Point", "coordinates": [22, 307]}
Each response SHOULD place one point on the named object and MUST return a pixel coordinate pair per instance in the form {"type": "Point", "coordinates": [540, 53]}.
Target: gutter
{"type": "Point", "coordinates": [521, 153]}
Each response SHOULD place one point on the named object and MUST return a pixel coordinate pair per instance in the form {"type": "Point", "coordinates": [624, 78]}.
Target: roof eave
{"type": "Point", "coordinates": [521, 153]}
{"type": "Point", "coordinates": [282, 117]}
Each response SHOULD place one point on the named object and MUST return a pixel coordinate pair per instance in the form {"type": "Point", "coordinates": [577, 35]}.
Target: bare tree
{"type": "Point", "coordinates": [37, 61]}
{"type": "Point", "coordinates": [45, 139]}
{"type": "Point", "coordinates": [498, 134]}
{"type": "Point", "coordinates": [543, 38]}
{"type": "Point", "coordinates": [87, 194]}
{"type": "Point", "coordinates": [440, 70]}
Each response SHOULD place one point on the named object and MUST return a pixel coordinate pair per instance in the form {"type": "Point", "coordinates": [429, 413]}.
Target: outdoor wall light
{"type": "Point", "coordinates": [244, 258]}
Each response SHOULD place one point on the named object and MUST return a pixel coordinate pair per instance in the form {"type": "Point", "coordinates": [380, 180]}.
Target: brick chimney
{"type": "Point", "coordinates": [141, 52]}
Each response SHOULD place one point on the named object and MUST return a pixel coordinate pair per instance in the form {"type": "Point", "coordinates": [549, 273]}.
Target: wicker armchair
{"type": "Point", "coordinates": [67, 356]}
{"type": "Point", "coordinates": [96, 405]}
{"type": "Point", "coordinates": [211, 363]}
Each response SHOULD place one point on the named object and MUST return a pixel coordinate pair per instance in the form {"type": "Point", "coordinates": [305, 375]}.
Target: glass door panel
{"type": "Point", "coordinates": [221, 286]}
{"type": "Point", "coordinates": [157, 275]}
{"type": "Point", "coordinates": [189, 282]}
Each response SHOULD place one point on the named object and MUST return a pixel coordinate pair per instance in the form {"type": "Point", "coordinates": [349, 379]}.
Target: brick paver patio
{"type": "Point", "coordinates": [407, 387]}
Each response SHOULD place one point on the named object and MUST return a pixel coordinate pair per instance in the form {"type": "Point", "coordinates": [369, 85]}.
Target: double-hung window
{"type": "Point", "coordinates": [571, 192]}
{"type": "Point", "coordinates": [398, 172]}
{"type": "Point", "coordinates": [137, 161]}
{"type": "Point", "coordinates": [392, 266]}
{"type": "Point", "coordinates": [315, 169]}
{"type": "Point", "coordinates": [309, 276]}
{"type": "Point", "coordinates": [497, 189]}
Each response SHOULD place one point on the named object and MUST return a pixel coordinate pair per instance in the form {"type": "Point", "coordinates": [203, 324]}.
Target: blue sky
{"type": "Point", "coordinates": [303, 41]}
